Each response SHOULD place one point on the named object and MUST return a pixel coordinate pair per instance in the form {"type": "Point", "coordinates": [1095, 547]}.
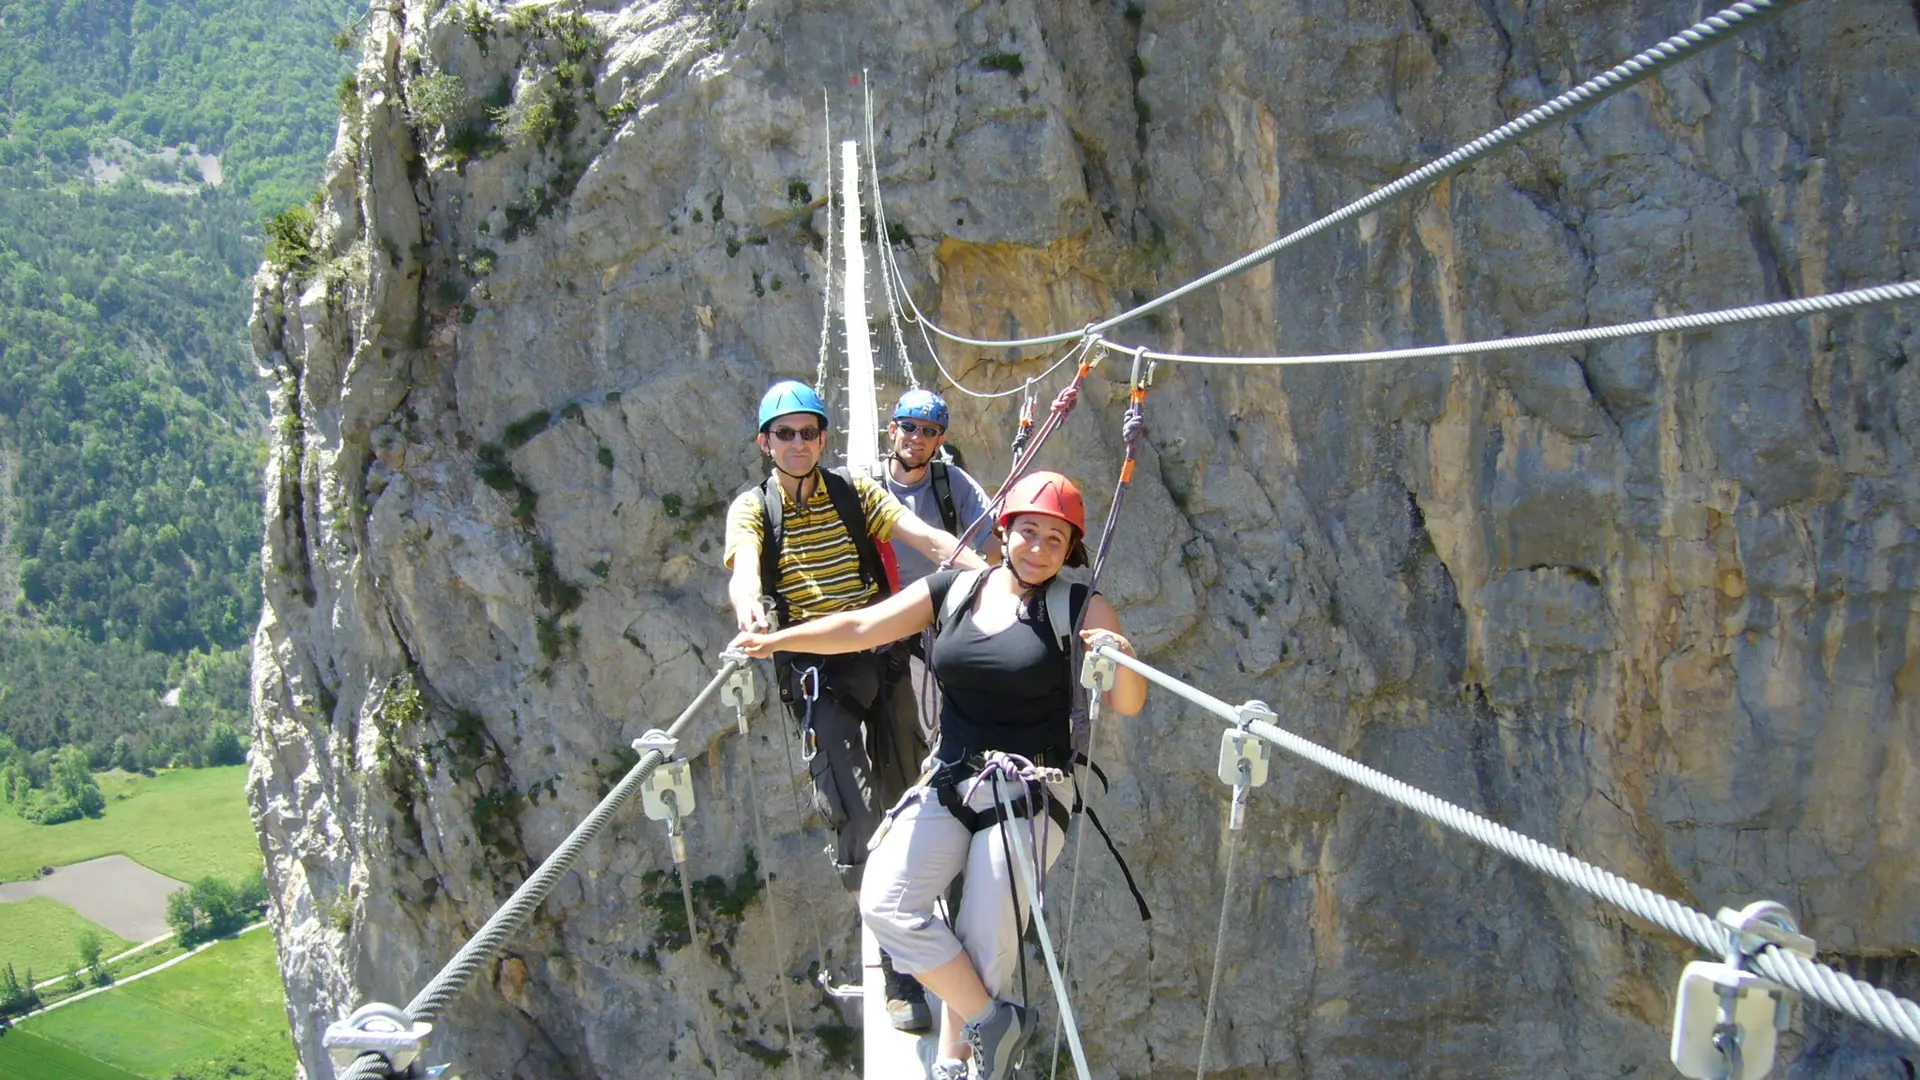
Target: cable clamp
{"type": "Point", "coordinates": [377, 1028]}
{"type": "Point", "coordinates": [1096, 671]}
{"type": "Point", "coordinates": [1255, 709]}
{"type": "Point", "coordinates": [656, 740]}
{"type": "Point", "coordinates": [1727, 1020]}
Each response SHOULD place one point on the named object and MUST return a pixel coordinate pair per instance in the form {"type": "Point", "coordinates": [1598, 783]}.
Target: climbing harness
{"type": "Point", "coordinates": [739, 692]}
{"type": "Point", "coordinates": [1243, 767]}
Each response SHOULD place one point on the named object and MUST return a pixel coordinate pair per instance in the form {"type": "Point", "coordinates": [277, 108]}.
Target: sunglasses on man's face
{"type": "Point", "coordinates": [911, 427]}
{"type": "Point", "coordinates": [787, 434]}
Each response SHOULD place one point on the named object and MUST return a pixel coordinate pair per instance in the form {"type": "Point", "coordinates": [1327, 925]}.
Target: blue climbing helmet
{"type": "Point", "coordinates": [922, 405]}
{"type": "Point", "coordinates": [791, 396]}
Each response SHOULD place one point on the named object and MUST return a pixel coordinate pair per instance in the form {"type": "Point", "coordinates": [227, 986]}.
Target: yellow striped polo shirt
{"type": "Point", "coordinates": [819, 566]}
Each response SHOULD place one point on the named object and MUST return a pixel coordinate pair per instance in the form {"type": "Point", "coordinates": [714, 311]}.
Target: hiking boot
{"type": "Point", "coordinates": [996, 1041]}
{"type": "Point", "coordinates": [948, 1069]}
{"type": "Point", "coordinates": [906, 1001]}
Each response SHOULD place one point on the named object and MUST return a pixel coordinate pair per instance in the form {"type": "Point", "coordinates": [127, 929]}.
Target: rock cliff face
{"type": "Point", "coordinates": [1653, 601]}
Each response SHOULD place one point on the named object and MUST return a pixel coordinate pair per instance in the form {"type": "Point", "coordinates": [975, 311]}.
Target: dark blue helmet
{"type": "Point", "coordinates": [792, 396]}
{"type": "Point", "coordinates": [922, 405]}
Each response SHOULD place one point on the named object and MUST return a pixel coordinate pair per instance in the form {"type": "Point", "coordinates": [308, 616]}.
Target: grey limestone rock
{"type": "Point", "coordinates": [1652, 602]}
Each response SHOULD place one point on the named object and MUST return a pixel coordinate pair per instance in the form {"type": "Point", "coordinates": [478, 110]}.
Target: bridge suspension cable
{"type": "Point", "coordinates": [1863, 1001]}
{"type": "Point", "coordinates": [1898, 292]}
{"type": "Point", "coordinates": [1708, 32]}
{"type": "Point", "coordinates": [453, 979]}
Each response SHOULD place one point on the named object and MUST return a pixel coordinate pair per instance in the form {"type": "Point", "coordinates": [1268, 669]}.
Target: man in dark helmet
{"type": "Point", "coordinates": [806, 544]}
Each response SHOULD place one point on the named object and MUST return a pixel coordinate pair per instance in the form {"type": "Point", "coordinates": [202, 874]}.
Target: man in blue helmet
{"type": "Point", "coordinates": [938, 492]}
{"type": "Point", "coordinates": [806, 544]}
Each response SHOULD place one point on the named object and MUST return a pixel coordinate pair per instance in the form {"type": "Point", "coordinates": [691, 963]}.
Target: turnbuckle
{"type": "Point", "coordinates": [377, 1028]}
{"type": "Point", "coordinates": [1727, 1020]}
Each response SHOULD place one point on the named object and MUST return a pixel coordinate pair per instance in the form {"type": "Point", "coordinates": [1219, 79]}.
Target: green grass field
{"type": "Point", "coordinates": [26, 1056]}
{"type": "Point", "coordinates": [221, 1013]}
{"type": "Point", "coordinates": [39, 933]}
{"type": "Point", "coordinates": [185, 824]}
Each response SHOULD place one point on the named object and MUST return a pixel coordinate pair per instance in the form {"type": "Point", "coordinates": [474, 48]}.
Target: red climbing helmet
{"type": "Point", "coordinates": [1054, 495]}
{"type": "Point", "coordinates": [1046, 493]}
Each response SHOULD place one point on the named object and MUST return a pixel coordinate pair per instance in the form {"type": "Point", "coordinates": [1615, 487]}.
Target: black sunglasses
{"type": "Point", "coordinates": [920, 427]}
{"type": "Point", "coordinates": [787, 434]}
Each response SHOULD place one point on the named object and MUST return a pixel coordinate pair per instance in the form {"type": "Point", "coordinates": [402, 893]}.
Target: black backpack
{"type": "Point", "coordinates": [846, 502]}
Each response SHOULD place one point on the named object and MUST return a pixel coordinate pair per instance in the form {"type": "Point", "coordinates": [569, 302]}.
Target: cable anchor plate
{"type": "Point", "coordinates": [739, 689]}
{"type": "Point", "coordinates": [1727, 1020]}
{"type": "Point", "coordinates": [1096, 671]}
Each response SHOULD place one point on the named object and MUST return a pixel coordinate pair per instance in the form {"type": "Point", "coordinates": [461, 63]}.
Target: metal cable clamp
{"type": "Point", "coordinates": [1727, 1020]}
{"type": "Point", "coordinates": [377, 1028]}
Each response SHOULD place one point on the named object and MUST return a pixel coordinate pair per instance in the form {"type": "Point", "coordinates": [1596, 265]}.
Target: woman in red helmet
{"type": "Point", "coordinates": [1006, 694]}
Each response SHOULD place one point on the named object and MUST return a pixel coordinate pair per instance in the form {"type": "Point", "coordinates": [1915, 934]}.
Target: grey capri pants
{"type": "Point", "coordinates": [925, 848]}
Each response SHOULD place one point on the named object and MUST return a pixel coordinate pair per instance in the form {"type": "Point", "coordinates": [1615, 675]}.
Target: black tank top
{"type": "Point", "coordinates": [1006, 691]}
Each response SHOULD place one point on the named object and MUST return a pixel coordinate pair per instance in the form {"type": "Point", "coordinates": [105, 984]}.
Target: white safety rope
{"type": "Point", "coordinates": [1898, 292]}
{"type": "Point", "coordinates": [1644, 65]}
{"type": "Point", "coordinates": [1023, 863]}
{"type": "Point", "coordinates": [1865, 1002]}
{"type": "Point", "coordinates": [739, 689]}
{"type": "Point", "coordinates": [481, 948]}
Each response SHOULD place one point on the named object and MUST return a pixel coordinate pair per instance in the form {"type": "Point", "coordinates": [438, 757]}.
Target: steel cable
{"type": "Point", "coordinates": [1676, 324]}
{"type": "Point", "coordinates": [480, 949]}
{"type": "Point", "coordinates": [1891, 1014]}
{"type": "Point", "coordinates": [1644, 65]}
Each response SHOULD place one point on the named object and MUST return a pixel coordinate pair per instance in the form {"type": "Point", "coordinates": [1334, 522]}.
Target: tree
{"type": "Point", "coordinates": [87, 947]}
{"type": "Point", "coordinates": [223, 745]}
{"type": "Point", "coordinates": [17, 999]}
{"type": "Point", "coordinates": [182, 917]}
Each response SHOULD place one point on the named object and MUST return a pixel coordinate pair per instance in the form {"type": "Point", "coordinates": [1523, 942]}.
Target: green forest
{"type": "Point", "coordinates": [132, 419]}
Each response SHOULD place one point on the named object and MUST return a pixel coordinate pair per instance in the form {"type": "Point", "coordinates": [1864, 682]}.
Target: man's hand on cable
{"type": "Point", "coordinates": [757, 644]}
{"type": "Point", "coordinates": [1097, 638]}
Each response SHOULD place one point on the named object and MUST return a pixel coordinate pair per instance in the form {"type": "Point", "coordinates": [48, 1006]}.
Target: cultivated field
{"type": "Point", "coordinates": [220, 1014]}
{"type": "Point", "coordinates": [39, 933]}
{"type": "Point", "coordinates": [26, 1056]}
{"type": "Point", "coordinates": [185, 824]}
